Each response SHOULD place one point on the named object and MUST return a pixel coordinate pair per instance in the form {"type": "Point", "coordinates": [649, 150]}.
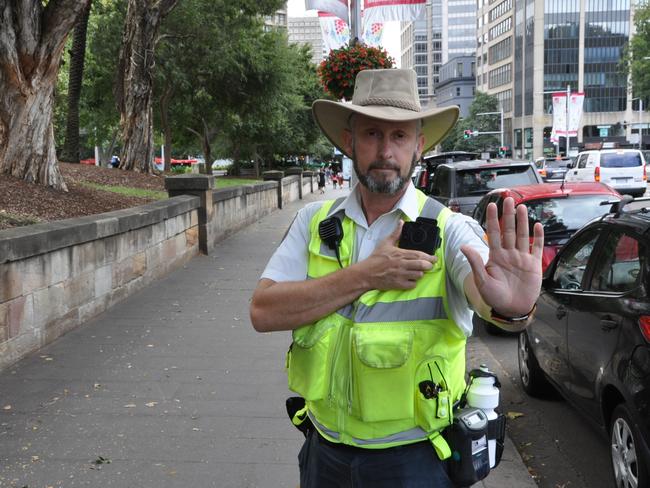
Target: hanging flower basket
{"type": "Point", "coordinates": [338, 71]}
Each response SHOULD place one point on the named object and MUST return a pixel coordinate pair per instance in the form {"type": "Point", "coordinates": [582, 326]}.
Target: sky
{"type": "Point", "coordinates": [391, 41]}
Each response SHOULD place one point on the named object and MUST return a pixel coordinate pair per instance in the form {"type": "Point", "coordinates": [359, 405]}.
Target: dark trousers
{"type": "Point", "coordinates": [327, 465]}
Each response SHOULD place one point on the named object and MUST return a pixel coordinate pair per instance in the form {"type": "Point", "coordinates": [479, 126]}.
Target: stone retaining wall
{"type": "Point", "coordinates": [58, 275]}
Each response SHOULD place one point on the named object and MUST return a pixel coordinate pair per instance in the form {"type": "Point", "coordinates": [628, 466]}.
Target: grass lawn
{"type": "Point", "coordinates": [221, 182]}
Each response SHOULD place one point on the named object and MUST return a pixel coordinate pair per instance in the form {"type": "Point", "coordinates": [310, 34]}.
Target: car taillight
{"type": "Point", "coordinates": [645, 175]}
{"type": "Point", "coordinates": [454, 205]}
{"type": "Point", "coordinates": [424, 180]}
{"type": "Point", "coordinates": [597, 174]}
{"type": "Point", "coordinates": [644, 325]}
{"type": "Point", "coordinates": [542, 173]}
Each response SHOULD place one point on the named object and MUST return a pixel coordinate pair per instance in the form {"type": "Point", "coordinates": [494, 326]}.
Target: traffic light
{"type": "Point", "coordinates": [502, 151]}
{"type": "Point", "coordinates": [467, 133]}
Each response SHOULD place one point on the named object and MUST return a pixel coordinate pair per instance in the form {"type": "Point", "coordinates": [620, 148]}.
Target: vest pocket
{"type": "Point", "coordinates": [433, 409]}
{"type": "Point", "coordinates": [308, 361]}
{"type": "Point", "coordinates": [382, 374]}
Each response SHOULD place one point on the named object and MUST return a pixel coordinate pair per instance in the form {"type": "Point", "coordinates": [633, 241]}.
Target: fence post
{"type": "Point", "coordinates": [275, 176]}
{"type": "Point", "coordinates": [201, 186]}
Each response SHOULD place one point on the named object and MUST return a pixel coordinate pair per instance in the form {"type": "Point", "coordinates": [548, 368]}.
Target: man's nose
{"type": "Point", "coordinates": [385, 150]}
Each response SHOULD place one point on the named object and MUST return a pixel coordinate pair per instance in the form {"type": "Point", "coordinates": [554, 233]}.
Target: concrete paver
{"type": "Point", "coordinates": [172, 387]}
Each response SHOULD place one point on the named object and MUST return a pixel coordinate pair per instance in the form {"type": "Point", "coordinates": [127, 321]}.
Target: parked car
{"type": "Point", "coordinates": [461, 185]}
{"type": "Point", "coordinates": [590, 338]}
{"type": "Point", "coordinates": [562, 209]}
{"type": "Point", "coordinates": [427, 167]}
{"type": "Point", "coordinates": [553, 169]}
{"type": "Point", "coordinates": [622, 169]}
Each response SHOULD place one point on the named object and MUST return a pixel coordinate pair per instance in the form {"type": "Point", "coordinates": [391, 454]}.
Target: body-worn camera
{"type": "Point", "coordinates": [421, 235]}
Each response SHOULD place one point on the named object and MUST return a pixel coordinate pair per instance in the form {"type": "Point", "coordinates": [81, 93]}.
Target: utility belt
{"type": "Point", "coordinates": [475, 437]}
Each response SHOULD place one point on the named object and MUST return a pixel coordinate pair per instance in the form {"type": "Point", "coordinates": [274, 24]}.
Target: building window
{"type": "Point", "coordinates": [457, 91]}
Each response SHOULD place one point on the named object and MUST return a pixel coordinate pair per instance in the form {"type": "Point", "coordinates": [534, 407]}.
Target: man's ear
{"type": "Point", "coordinates": [420, 145]}
{"type": "Point", "coordinates": [347, 141]}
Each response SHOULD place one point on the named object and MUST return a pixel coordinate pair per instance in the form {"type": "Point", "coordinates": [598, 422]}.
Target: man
{"type": "Point", "coordinates": [374, 324]}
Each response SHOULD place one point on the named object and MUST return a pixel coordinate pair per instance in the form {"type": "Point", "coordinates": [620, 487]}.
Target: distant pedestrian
{"type": "Point", "coordinates": [321, 180]}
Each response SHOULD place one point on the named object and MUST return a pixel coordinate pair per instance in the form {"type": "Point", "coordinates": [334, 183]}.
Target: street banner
{"type": "Point", "coordinates": [576, 102]}
{"type": "Point", "coordinates": [390, 10]}
{"type": "Point", "coordinates": [335, 31]}
{"type": "Point", "coordinates": [338, 8]}
{"type": "Point", "coordinates": [373, 33]}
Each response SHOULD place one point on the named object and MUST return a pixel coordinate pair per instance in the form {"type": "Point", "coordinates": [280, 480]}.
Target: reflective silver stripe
{"type": "Point", "coordinates": [322, 428]}
{"type": "Point", "coordinates": [414, 434]}
{"type": "Point", "coordinates": [426, 308]}
{"type": "Point", "coordinates": [326, 251]}
{"type": "Point", "coordinates": [431, 208]}
{"type": "Point", "coordinates": [346, 311]}
{"type": "Point", "coordinates": [335, 206]}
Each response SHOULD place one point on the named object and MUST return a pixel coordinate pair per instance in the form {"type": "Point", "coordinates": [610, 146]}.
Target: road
{"type": "Point", "coordinates": [561, 448]}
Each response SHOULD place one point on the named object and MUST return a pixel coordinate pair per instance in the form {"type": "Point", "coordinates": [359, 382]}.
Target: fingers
{"type": "Point", "coordinates": [538, 240]}
{"type": "Point", "coordinates": [523, 235]}
{"type": "Point", "coordinates": [476, 262]}
{"type": "Point", "coordinates": [393, 238]}
{"type": "Point", "coordinates": [509, 235]}
{"type": "Point", "coordinates": [493, 227]}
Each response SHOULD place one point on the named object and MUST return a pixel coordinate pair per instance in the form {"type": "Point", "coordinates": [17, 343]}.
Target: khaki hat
{"type": "Point", "coordinates": [388, 95]}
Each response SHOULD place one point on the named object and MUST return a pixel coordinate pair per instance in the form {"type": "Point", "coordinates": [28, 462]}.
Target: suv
{"type": "Point", "coordinates": [461, 185]}
{"type": "Point", "coordinates": [622, 169]}
{"type": "Point", "coordinates": [590, 338]}
{"type": "Point", "coordinates": [553, 169]}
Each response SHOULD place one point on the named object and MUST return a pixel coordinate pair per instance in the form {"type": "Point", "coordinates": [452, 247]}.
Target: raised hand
{"type": "Point", "coordinates": [510, 282]}
{"type": "Point", "coordinates": [392, 268]}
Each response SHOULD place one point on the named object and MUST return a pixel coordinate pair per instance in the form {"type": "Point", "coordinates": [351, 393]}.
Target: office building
{"type": "Point", "coordinates": [307, 30]}
{"type": "Point", "coordinates": [457, 84]}
{"type": "Point", "coordinates": [528, 49]}
{"type": "Point", "coordinates": [445, 30]}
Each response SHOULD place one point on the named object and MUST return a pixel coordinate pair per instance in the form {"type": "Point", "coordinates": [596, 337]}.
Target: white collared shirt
{"type": "Point", "coordinates": [289, 262]}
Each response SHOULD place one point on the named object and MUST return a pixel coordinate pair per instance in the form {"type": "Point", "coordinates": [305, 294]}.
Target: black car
{"type": "Point", "coordinates": [591, 335]}
{"type": "Point", "coordinates": [461, 185]}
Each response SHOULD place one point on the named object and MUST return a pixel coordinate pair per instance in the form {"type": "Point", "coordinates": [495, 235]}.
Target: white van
{"type": "Point", "coordinates": [622, 169]}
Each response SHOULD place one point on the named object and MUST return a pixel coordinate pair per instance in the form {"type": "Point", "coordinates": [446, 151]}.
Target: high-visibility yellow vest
{"type": "Point", "coordinates": [386, 369]}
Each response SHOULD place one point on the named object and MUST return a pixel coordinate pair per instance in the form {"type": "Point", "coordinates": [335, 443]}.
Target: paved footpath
{"type": "Point", "coordinates": [170, 388]}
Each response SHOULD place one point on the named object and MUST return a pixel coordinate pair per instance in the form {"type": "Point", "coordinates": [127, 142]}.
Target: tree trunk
{"type": "Point", "coordinates": [134, 87]}
{"type": "Point", "coordinates": [32, 39]}
{"type": "Point", "coordinates": [70, 151]}
{"type": "Point", "coordinates": [166, 126]}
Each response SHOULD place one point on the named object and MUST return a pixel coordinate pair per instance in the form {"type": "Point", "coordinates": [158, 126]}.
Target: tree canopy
{"type": "Point", "coordinates": [638, 54]}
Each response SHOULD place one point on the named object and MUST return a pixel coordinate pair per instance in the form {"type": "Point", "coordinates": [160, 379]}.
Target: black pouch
{"type": "Point", "coordinates": [467, 437]}
{"type": "Point", "coordinates": [294, 405]}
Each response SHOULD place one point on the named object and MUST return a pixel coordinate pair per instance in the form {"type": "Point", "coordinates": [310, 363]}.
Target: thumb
{"type": "Point", "coordinates": [394, 236]}
{"type": "Point", "coordinates": [476, 263]}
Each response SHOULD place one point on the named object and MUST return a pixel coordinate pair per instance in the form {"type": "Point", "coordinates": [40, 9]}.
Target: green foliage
{"type": "Point", "coordinates": [483, 123]}
{"type": "Point", "coordinates": [638, 49]}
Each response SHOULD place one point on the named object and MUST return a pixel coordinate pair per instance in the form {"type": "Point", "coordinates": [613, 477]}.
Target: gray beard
{"type": "Point", "coordinates": [383, 186]}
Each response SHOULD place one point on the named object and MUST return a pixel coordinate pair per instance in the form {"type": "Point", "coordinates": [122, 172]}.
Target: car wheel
{"type": "Point", "coordinates": [629, 461]}
{"type": "Point", "coordinates": [531, 376]}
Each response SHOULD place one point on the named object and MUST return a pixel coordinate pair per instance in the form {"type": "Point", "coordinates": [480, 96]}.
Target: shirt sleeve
{"type": "Point", "coordinates": [461, 230]}
{"type": "Point", "coordinates": [289, 261]}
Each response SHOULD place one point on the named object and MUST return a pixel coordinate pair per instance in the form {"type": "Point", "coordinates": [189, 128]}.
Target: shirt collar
{"type": "Point", "coordinates": [407, 205]}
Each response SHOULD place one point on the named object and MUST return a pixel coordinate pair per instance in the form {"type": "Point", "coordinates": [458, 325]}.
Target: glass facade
{"type": "Point", "coordinates": [461, 28]}
{"type": "Point", "coordinates": [529, 57]}
{"type": "Point", "coordinates": [519, 57]}
{"type": "Point", "coordinates": [607, 31]}
{"type": "Point", "coordinates": [561, 45]}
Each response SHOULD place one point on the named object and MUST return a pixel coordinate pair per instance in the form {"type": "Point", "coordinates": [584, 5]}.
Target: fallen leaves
{"type": "Point", "coordinates": [514, 415]}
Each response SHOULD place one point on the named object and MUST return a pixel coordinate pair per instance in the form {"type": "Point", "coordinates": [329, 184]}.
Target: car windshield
{"type": "Point", "coordinates": [620, 160]}
{"type": "Point", "coordinates": [479, 181]}
{"type": "Point", "coordinates": [566, 215]}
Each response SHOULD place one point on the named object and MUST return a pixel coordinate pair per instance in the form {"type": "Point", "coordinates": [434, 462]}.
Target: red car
{"type": "Point", "coordinates": [562, 209]}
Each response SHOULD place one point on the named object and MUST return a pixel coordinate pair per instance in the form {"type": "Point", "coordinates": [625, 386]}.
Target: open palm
{"type": "Point", "coordinates": [510, 281]}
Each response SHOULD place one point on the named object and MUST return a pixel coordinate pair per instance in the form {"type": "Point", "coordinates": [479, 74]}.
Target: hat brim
{"type": "Point", "coordinates": [332, 117]}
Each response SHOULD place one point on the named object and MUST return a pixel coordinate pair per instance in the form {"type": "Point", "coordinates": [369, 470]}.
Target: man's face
{"type": "Point", "coordinates": [384, 153]}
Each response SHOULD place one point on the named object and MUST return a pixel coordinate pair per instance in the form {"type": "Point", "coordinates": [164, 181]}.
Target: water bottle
{"type": "Point", "coordinates": [483, 393]}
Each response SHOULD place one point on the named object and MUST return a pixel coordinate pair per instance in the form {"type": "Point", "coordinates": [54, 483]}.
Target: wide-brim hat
{"type": "Point", "coordinates": [389, 95]}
